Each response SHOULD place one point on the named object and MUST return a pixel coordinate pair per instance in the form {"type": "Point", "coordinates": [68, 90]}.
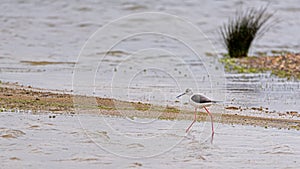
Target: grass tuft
{"type": "Point", "coordinates": [240, 32]}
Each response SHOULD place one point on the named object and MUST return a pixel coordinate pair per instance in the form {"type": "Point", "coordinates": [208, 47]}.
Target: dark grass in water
{"type": "Point", "coordinates": [240, 32]}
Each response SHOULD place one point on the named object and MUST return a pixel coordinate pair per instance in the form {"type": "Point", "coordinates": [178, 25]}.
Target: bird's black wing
{"type": "Point", "coordinates": [201, 99]}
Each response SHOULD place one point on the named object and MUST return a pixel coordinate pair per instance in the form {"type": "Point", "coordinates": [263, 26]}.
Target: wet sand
{"type": "Point", "coordinates": [47, 129]}
{"type": "Point", "coordinates": [14, 97]}
{"type": "Point", "coordinates": [92, 141]}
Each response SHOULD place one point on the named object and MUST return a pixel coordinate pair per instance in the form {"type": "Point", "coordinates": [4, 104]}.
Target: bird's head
{"type": "Point", "coordinates": [188, 92]}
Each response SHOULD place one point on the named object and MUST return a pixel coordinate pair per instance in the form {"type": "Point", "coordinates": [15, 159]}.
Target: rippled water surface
{"type": "Point", "coordinates": [41, 41]}
{"type": "Point", "coordinates": [37, 141]}
{"type": "Point", "coordinates": [152, 57]}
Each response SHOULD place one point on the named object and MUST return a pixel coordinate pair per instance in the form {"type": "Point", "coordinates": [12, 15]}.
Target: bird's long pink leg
{"type": "Point", "coordinates": [212, 124]}
{"type": "Point", "coordinates": [195, 118]}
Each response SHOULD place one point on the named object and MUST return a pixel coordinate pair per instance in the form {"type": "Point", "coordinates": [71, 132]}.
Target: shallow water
{"type": "Point", "coordinates": [56, 32]}
{"type": "Point", "coordinates": [77, 141]}
{"type": "Point", "coordinates": [151, 68]}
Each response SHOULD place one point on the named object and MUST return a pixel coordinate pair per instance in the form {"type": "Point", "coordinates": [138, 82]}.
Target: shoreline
{"type": "Point", "coordinates": [36, 100]}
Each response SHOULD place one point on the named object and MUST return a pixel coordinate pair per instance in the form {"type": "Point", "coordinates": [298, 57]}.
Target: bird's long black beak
{"type": "Point", "coordinates": [180, 95]}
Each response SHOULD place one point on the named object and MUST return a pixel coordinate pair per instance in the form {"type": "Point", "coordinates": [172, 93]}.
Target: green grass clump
{"type": "Point", "coordinates": [232, 65]}
{"type": "Point", "coordinates": [240, 32]}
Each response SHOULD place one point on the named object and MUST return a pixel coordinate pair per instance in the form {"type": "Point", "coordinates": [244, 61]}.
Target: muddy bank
{"type": "Point", "coordinates": [284, 66]}
{"type": "Point", "coordinates": [14, 97]}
